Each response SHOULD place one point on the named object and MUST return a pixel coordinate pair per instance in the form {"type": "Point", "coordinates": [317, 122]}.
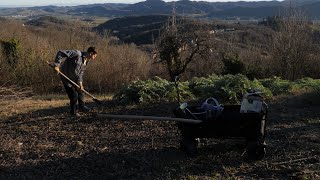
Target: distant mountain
{"type": "Point", "coordinates": [242, 9]}
{"type": "Point", "coordinates": [49, 19]}
{"type": "Point", "coordinates": [45, 21]}
{"type": "Point", "coordinates": [312, 9]}
{"type": "Point", "coordinates": [299, 2]}
{"type": "Point", "coordinates": [187, 7]}
{"type": "Point", "coordinates": [204, 9]}
{"type": "Point", "coordinates": [192, 7]}
{"type": "Point", "coordinates": [137, 29]}
{"type": "Point", "coordinates": [247, 13]}
{"type": "Point", "coordinates": [98, 10]}
{"type": "Point", "coordinates": [149, 7]}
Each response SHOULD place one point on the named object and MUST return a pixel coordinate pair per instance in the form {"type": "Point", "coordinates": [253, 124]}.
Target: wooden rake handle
{"type": "Point", "coordinates": [75, 84]}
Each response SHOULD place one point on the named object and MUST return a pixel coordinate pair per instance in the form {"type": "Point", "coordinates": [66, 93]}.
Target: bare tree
{"type": "Point", "coordinates": [292, 45]}
{"type": "Point", "coordinates": [178, 45]}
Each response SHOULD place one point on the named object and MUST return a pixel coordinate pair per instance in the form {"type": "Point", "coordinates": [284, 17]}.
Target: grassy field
{"type": "Point", "coordinates": [40, 140]}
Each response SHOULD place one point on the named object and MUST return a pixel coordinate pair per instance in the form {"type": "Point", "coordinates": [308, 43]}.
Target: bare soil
{"type": "Point", "coordinates": [40, 140]}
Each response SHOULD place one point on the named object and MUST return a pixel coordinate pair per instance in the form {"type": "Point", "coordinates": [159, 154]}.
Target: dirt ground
{"type": "Point", "coordinates": [39, 140]}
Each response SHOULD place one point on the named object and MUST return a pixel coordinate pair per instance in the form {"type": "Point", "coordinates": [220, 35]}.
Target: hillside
{"type": "Point", "coordinates": [204, 9]}
{"type": "Point", "coordinates": [45, 21]}
{"type": "Point", "coordinates": [134, 29]}
{"type": "Point", "coordinates": [145, 29]}
{"type": "Point", "coordinates": [148, 7]}
{"type": "Point", "coordinates": [312, 10]}
{"type": "Point", "coordinates": [39, 140]}
{"type": "Point", "coordinates": [248, 13]}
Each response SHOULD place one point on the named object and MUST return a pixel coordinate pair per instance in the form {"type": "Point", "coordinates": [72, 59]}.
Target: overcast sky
{"type": "Point", "coordinates": [15, 3]}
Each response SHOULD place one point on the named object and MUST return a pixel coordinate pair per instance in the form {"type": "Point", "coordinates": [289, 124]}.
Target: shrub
{"type": "Point", "coordinates": [202, 86]}
{"type": "Point", "coordinates": [277, 85]}
{"type": "Point", "coordinates": [307, 83]}
{"type": "Point", "coordinates": [156, 90]}
{"type": "Point", "coordinates": [228, 88]}
{"type": "Point", "coordinates": [232, 64]}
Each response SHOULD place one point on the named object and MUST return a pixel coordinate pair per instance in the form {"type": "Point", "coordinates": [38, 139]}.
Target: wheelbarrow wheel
{"type": "Point", "coordinates": [189, 145]}
{"type": "Point", "coordinates": [256, 150]}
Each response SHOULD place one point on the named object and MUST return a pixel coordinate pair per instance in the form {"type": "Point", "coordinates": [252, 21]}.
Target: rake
{"type": "Point", "coordinates": [76, 85]}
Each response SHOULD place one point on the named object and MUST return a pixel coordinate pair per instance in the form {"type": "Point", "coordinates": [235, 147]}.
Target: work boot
{"type": "Point", "coordinates": [75, 114]}
{"type": "Point", "coordinates": [84, 109]}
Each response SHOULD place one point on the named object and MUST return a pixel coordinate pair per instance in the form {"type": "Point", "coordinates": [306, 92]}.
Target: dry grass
{"type": "Point", "coordinates": [11, 108]}
{"type": "Point", "coordinates": [40, 140]}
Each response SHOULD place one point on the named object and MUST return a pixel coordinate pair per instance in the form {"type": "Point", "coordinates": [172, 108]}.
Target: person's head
{"type": "Point", "coordinates": [92, 53]}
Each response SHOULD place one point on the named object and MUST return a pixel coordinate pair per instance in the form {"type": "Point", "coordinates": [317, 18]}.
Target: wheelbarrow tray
{"type": "Point", "coordinates": [230, 123]}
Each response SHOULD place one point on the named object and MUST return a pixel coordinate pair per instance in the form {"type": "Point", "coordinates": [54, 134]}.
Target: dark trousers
{"type": "Point", "coordinates": [76, 97]}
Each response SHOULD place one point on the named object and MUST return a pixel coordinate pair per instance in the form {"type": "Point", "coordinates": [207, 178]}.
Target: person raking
{"type": "Point", "coordinates": [73, 64]}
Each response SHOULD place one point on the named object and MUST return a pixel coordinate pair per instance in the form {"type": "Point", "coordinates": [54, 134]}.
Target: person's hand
{"type": "Point", "coordinates": [81, 86]}
{"type": "Point", "coordinates": [57, 69]}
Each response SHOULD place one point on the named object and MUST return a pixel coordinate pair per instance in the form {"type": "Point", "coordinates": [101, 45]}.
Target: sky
{"type": "Point", "coordinates": [19, 3]}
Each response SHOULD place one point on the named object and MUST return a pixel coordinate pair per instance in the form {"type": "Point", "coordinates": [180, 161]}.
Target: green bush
{"type": "Point", "coordinates": [232, 64]}
{"type": "Point", "coordinates": [202, 86]}
{"type": "Point", "coordinates": [277, 85]}
{"type": "Point", "coordinates": [11, 50]}
{"type": "Point", "coordinates": [227, 88]}
{"type": "Point", "coordinates": [307, 83]}
{"type": "Point", "coordinates": [156, 90]}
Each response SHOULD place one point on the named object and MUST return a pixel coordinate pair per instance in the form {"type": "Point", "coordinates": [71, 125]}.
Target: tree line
{"type": "Point", "coordinates": [186, 48]}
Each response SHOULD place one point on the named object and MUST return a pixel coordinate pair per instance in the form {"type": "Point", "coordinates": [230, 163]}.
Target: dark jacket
{"type": "Point", "coordinates": [73, 65]}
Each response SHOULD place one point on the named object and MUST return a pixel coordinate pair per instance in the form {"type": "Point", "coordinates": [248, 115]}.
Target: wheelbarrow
{"type": "Point", "coordinates": [229, 121]}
